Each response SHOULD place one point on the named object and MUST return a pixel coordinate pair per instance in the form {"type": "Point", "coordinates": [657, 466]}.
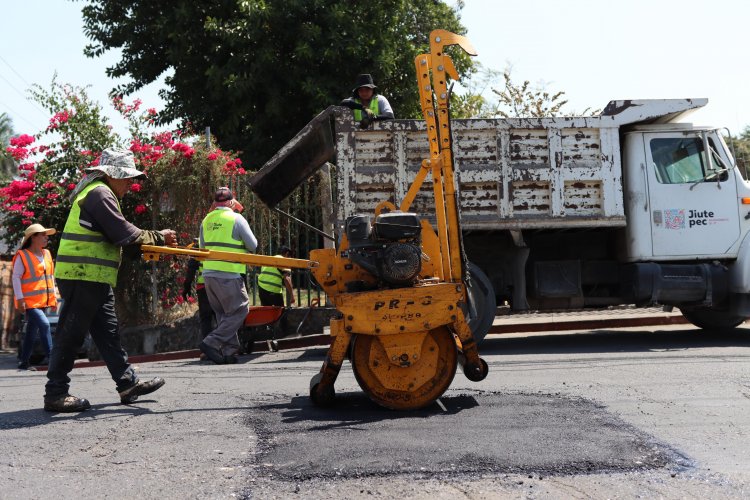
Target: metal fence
{"type": "Point", "coordinates": [274, 230]}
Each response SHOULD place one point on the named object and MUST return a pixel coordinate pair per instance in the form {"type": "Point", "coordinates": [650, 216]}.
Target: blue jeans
{"type": "Point", "coordinates": [36, 321]}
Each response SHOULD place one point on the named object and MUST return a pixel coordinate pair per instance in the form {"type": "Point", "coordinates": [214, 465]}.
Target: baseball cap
{"type": "Point", "coordinates": [223, 194]}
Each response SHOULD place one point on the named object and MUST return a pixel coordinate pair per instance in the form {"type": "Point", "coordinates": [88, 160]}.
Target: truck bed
{"type": "Point", "coordinates": [517, 173]}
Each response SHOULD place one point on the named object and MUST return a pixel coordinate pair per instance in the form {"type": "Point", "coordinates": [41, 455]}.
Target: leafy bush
{"type": "Point", "coordinates": [182, 173]}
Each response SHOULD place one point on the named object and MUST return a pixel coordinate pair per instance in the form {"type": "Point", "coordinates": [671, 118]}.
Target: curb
{"type": "Point", "coordinates": [325, 339]}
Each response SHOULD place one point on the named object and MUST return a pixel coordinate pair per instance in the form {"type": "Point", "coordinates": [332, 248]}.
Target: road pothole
{"type": "Point", "coordinates": [476, 433]}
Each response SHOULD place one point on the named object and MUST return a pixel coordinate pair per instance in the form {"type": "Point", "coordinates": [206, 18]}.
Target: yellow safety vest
{"type": "Point", "coordinates": [373, 107]}
{"type": "Point", "coordinates": [84, 254]}
{"type": "Point", "coordinates": [217, 235]}
{"type": "Point", "coordinates": [270, 279]}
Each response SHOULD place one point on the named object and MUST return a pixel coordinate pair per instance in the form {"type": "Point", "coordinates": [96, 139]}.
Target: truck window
{"type": "Point", "coordinates": [681, 160]}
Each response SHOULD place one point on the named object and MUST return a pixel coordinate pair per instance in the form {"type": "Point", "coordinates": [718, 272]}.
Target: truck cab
{"type": "Point", "coordinates": [682, 194]}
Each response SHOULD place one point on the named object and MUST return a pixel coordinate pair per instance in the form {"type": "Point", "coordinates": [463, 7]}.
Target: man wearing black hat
{"type": "Point", "coordinates": [366, 104]}
{"type": "Point", "coordinates": [224, 230]}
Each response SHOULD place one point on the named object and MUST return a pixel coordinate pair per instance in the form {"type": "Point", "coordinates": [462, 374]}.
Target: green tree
{"type": "Point", "coordinates": [507, 98]}
{"type": "Point", "coordinates": [740, 146]}
{"type": "Point", "coordinates": [257, 71]}
{"type": "Point", "coordinates": [7, 165]}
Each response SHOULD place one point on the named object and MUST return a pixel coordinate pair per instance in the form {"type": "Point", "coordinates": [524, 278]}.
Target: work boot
{"type": "Point", "coordinates": [131, 394]}
{"type": "Point", "coordinates": [212, 353]}
{"type": "Point", "coordinates": [66, 404]}
{"type": "Point", "coordinates": [24, 365]}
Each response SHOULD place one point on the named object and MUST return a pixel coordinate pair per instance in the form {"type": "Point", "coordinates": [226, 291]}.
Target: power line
{"type": "Point", "coordinates": [20, 115]}
{"type": "Point", "coordinates": [22, 95]}
{"type": "Point", "coordinates": [14, 71]}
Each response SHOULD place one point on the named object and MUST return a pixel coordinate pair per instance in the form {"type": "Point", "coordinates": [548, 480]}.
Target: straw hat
{"type": "Point", "coordinates": [35, 229]}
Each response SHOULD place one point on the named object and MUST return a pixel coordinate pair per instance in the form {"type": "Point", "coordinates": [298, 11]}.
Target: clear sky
{"type": "Point", "coordinates": [594, 50]}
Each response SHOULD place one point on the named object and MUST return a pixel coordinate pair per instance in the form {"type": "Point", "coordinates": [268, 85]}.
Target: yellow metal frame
{"type": "Point", "coordinates": [152, 252]}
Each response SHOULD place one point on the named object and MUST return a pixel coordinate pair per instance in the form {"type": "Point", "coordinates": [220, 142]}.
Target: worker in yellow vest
{"type": "Point", "coordinates": [366, 104]}
{"type": "Point", "coordinates": [274, 282]}
{"type": "Point", "coordinates": [225, 230]}
{"type": "Point", "coordinates": [34, 289]}
{"type": "Point", "coordinates": [87, 264]}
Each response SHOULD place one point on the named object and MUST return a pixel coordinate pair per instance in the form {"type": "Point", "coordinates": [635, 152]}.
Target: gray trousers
{"type": "Point", "coordinates": [229, 301]}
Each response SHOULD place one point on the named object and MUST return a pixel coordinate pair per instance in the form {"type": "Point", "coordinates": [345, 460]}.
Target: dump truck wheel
{"type": "Point", "coordinates": [482, 303]}
{"type": "Point", "coordinates": [405, 371]}
{"type": "Point", "coordinates": [712, 319]}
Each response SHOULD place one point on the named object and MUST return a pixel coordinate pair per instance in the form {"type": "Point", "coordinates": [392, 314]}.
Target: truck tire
{"type": "Point", "coordinates": [482, 303]}
{"type": "Point", "coordinates": [712, 319]}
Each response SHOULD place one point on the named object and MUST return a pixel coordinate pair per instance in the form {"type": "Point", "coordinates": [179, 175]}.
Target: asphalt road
{"type": "Point", "coordinates": [610, 414]}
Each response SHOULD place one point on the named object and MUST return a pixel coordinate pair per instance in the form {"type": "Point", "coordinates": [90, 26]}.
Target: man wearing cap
{"type": "Point", "coordinates": [227, 231]}
{"type": "Point", "coordinates": [87, 263]}
{"type": "Point", "coordinates": [34, 289]}
{"type": "Point", "coordinates": [366, 104]}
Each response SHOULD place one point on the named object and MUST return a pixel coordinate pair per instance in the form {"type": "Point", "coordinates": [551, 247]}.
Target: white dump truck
{"type": "Point", "coordinates": [627, 207]}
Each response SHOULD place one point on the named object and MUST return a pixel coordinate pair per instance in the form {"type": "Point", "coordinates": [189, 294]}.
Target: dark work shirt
{"type": "Point", "coordinates": [100, 213]}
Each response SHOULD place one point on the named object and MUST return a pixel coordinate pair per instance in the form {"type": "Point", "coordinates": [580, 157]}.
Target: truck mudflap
{"type": "Point", "coordinates": [299, 159]}
{"type": "Point", "coordinates": [739, 270]}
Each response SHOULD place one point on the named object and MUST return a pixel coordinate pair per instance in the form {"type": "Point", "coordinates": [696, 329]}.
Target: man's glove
{"type": "Point", "coordinates": [367, 118]}
{"type": "Point", "coordinates": [351, 104]}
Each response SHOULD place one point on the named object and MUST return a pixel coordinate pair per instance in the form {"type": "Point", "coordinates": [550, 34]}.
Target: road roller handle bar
{"type": "Point", "coordinates": [153, 252]}
{"type": "Point", "coordinates": [437, 118]}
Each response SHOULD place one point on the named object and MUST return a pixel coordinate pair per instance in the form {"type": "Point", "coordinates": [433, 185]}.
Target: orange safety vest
{"type": "Point", "coordinates": [37, 282]}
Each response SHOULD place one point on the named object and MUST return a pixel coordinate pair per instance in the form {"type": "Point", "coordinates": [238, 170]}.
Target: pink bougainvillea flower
{"type": "Point", "coordinates": [58, 119]}
{"type": "Point", "coordinates": [18, 153]}
{"type": "Point", "coordinates": [212, 156]}
{"type": "Point", "coordinates": [22, 140]}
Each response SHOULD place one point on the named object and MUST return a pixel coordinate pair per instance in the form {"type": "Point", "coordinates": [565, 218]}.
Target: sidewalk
{"type": "Point", "coordinates": [619, 317]}
{"type": "Point", "coordinates": [622, 317]}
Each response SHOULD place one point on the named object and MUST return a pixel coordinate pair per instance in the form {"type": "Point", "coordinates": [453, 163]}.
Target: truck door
{"type": "Point", "coordinates": [692, 196]}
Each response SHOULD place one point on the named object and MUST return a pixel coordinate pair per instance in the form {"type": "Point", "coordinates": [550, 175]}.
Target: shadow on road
{"type": "Point", "coordinates": [609, 341]}
{"type": "Point", "coordinates": [37, 416]}
{"type": "Point", "coordinates": [351, 408]}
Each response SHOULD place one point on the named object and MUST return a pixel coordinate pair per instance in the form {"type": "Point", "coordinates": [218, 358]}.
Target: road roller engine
{"type": "Point", "coordinates": [388, 248]}
{"type": "Point", "coordinates": [403, 291]}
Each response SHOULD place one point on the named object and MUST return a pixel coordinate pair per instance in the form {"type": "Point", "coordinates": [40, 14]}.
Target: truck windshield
{"type": "Point", "coordinates": [680, 160]}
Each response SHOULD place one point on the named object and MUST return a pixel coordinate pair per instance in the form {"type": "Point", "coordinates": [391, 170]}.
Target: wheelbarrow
{"type": "Point", "coordinates": [260, 322]}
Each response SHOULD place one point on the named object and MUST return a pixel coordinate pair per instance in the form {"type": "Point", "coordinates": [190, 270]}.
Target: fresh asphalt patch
{"type": "Point", "coordinates": [465, 433]}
